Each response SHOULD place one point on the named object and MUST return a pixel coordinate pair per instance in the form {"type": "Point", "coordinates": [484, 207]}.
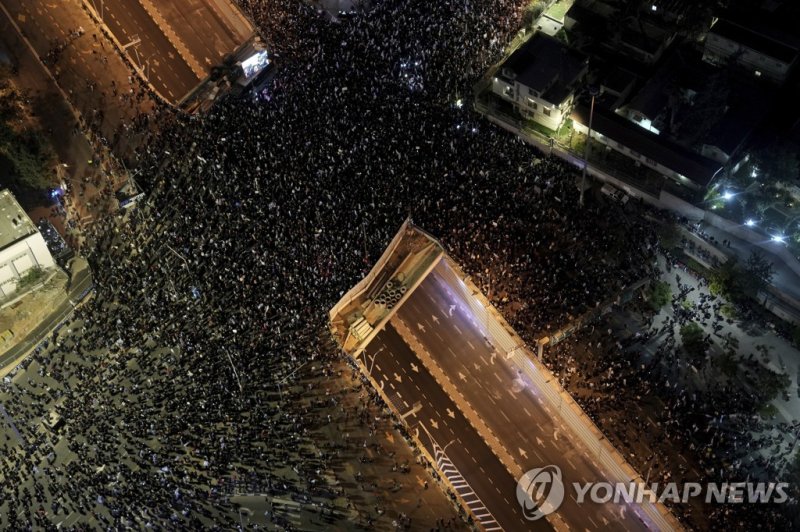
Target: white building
{"type": "Point", "coordinates": [22, 248]}
{"type": "Point", "coordinates": [540, 79]}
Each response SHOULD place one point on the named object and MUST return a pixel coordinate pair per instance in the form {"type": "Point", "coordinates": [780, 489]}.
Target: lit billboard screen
{"type": "Point", "coordinates": [255, 64]}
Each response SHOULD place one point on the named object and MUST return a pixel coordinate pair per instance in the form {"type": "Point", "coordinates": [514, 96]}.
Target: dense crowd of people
{"type": "Point", "coordinates": [212, 298]}
{"type": "Point", "coordinates": [681, 414]}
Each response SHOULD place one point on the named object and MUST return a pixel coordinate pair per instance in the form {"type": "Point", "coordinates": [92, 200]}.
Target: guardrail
{"type": "Point", "coordinates": [574, 416]}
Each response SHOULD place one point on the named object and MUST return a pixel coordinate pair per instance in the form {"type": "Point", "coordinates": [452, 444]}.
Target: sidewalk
{"type": "Point", "coordinates": [785, 279]}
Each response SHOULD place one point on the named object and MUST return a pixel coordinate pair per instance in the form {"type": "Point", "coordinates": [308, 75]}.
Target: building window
{"type": "Point", "coordinates": [651, 162]}
{"type": "Point", "coordinates": [546, 112]}
{"type": "Point", "coordinates": [532, 104]}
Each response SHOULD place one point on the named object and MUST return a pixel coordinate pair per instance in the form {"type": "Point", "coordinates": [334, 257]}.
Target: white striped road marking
{"type": "Point", "coordinates": [505, 416]}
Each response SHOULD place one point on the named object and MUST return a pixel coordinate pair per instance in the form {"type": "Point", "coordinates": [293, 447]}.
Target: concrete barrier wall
{"type": "Point", "coordinates": [361, 286]}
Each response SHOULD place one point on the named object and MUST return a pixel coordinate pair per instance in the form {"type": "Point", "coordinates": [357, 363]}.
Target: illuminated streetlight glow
{"type": "Point", "coordinates": [727, 195]}
{"type": "Point", "coordinates": [750, 222]}
{"type": "Point", "coordinates": [779, 238]}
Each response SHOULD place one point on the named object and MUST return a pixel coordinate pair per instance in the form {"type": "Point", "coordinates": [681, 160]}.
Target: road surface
{"type": "Point", "coordinates": [406, 381]}
{"type": "Point", "coordinates": [167, 70]}
{"type": "Point", "coordinates": [506, 402]}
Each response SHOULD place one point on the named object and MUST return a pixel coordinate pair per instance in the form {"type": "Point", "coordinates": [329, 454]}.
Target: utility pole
{"type": "Point", "coordinates": [594, 91]}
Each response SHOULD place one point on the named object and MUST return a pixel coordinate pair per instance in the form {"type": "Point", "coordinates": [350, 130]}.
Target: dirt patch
{"type": "Point", "coordinates": [24, 315]}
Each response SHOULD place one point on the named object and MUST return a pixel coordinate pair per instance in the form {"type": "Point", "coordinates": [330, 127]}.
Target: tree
{"type": "Point", "coordinates": [723, 280]}
{"type": "Point", "coordinates": [757, 273]}
{"type": "Point", "coordinates": [708, 106]}
{"type": "Point", "coordinates": [659, 295]}
{"type": "Point", "coordinates": [692, 336]}
{"type": "Point", "coordinates": [31, 157]}
{"type": "Point", "coordinates": [777, 162]}
{"type": "Point", "coordinates": [669, 235]}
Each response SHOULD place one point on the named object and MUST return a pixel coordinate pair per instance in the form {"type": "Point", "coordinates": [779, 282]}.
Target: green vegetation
{"type": "Point", "coordinates": [757, 274]}
{"type": "Point", "coordinates": [559, 9]}
{"type": "Point", "coordinates": [27, 154]}
{"type": "Point", "coordinates": [30, 278]}
{"type": "Point", "coordinates": [669, 235]}
{"type": "Point", "coordinates": [735, 282]}
{"type": "Point", "coordinates": [686, 304]}
{"type": "Point", "coordinates": [536, 127]}
{"type": "Point", "coordinates": [768, 411]}
{"type": "Point", "coordinates": [768, 384]}
{"type": "Point", "coordinates": [692, 336]}
{"type": "Point", "coordinates": [727, 363]}
{"type": "Point", "coordinates": [729, 311]}
{"type": "Point", "coordinates": [532, 14]}
{"type": "Point", "coordinates": [660, 295]}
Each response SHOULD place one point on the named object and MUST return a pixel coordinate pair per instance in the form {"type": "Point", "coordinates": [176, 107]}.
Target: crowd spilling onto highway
{"type": "Point", "coordinates": [202, 353]}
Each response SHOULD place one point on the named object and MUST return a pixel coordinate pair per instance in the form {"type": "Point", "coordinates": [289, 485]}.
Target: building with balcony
{"type": "Point", "coordinates": [540, 80]}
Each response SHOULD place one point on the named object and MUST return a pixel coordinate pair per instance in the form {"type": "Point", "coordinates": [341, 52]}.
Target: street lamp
{"type": "Point", "coordinates": [750, 222]}
{"type": "Point", "coordinates": [727, 195]}
{"type": "Point", "coordinates": [594, 91]}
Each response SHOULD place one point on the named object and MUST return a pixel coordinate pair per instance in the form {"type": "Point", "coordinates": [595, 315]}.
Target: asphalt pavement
{"type": "Point", "coordinates": [506, 402]}
{"type": "Point", "coordinates": [168, 71]}
{"type": "Point", "coordinates": [487, 486]}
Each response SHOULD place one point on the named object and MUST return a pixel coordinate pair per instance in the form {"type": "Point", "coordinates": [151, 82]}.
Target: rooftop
{"type": "Point", "coordinates": [701, 170]}
{"type": "Point", "coordinates": [755, 41]}
{"type": "Point", "coordinates": [547, 66]}
{"type": "Point", "coordinates": [14, 223]}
